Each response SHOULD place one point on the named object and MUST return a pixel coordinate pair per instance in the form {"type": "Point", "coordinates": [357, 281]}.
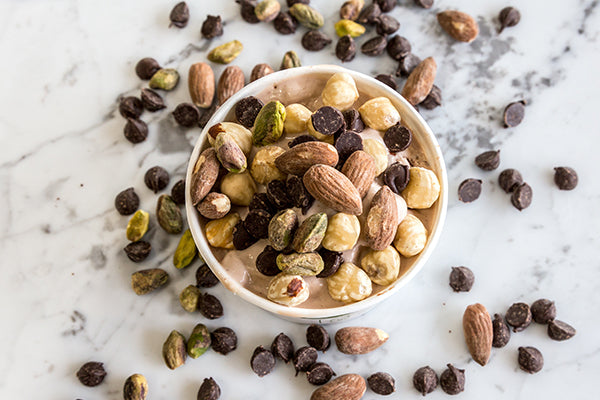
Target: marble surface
{"type": "Point", "coordinates": [65, 291]}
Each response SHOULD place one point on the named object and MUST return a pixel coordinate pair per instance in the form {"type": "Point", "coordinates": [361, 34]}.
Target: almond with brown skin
{"type": "Point", "coordinates": [206, 172]}
{"type": "Point", "coordinates": [420, 81]}
{"type": "Point", "coordinates": [382, 220]}
{"type": "Point", "coordinates": [359, 340]}
{"type": "Point", "coordinates": [459, 25]}
{"type": "Point", "coordinates": [231, 81]}
{"type": "Point", "coordinates": [300, 158]}
{"type": "Point", "coordinates": [345, 387]}
{"type": "Point", "coordinates": [333, 189]}
{"type": "Point", "coordinates": [201, 83]}
{"type": "Point", "coordinates": [360, 168]}
{"type": "Point", "coordinates": [259, 71]}
{"type": "Point", "coordinates": [479, 333]}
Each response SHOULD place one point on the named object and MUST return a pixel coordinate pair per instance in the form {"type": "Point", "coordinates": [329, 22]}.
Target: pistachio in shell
{"type": "Point", "coordinates": [135, 387]}
{"type": "Point", "coordinates": [281, 229]}
{"type": "Point", "coordinates": [189, 298]}
{"type": "Point", "coordinates": [268, 126]}
{"type": "Point", "coordinates": [307, 16]}
{"type": "Point", "coordinates": [304, 264]}
{"type": "Point", "coordinates": [310, 233]}
{"type": "Point", "coordinates": [164, 79]}
{"type": "Point", "coordinates": [168, 214]}
{"type": "Point", "coordinates": [137, 225]}
{"type": "Point", "coordinates": [174, 350]}
{"type": "Point", "coordinates": [199, 341]}
{"type": "Point", "coordinates": [148, 280]}
{"type": "Point", "coordinates": [226, 53]}
{"type": "Point", "coordinates": [229, 153]}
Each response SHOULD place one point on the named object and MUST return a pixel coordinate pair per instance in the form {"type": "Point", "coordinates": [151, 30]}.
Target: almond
{"type": "Point", "coordinates": [420, 81]}
{"type": "Point", "coordinates": [231, 81]}
{"type": "Point", "coordinates": [382, 220]}
{"type": "Point", "coordinates": [333, 189]}
{"type": "Point", "coordinates": [479, 333]}
{"type": "Point", "coordinates": [259, 71]}
{"type": "Point", "coordinates": [205, 175]}
{"type": "Point", "coordinates": [201, 83]}
{"type": "Point", "coordinates": [345, 387]}
{"type": "Point", "coordinates": [361, 170]}
{"type": "Point", "coordinates": [300, 158]}
{"type": "Point", "coordinates": [359, 340]}
{"type": "Point", "coordinates": [459, 25]}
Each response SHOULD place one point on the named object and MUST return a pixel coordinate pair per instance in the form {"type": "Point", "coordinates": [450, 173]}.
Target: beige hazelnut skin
{"type": "Point", "coordinates": [239, 188]}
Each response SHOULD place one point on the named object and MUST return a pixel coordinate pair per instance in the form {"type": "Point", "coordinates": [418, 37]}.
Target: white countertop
{"type": "Point", "coordinates": [65, 291]}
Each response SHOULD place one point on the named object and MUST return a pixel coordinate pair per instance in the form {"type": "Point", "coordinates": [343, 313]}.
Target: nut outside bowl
{"type": "Point", "coordinates": [410, 117]}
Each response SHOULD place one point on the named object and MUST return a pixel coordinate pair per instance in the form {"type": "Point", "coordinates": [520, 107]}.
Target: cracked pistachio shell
{"type": "Point", "coordinates": [310, 233]}
{"type": "Point", "coordinates": [189, 297]}
{"type": "Point", "coordinates": [304, 264]}
{"type": "Point", "coordinates": [164, 79]}
{"type": "Point", "coordinates": [290, 60]}
{"type": "Point", "coordinates": [199, 341]}
{"type": "Point", "coordinates": [138, 225]}
{"type": "Point", "coordinates": [269, 123]}
{"type": "Point", "coordinates": [226, 53]}
{"type": "Point", "coordinates": [174, 350]}
{"type": "Point", "coordinates": [347, 27]}
{"type": "Point", "coordinates": [168, 214]}
{"type": "Point", "coordinates": [307, 16]}
{"type": "Point", "coordinates": [281, 229]}
{"type": "Point", "coordinates": [230, 154]}
{"type": "Point", "coordinates": [147, 280]}
{"type": "Point", "coordinates": [135, 387]}
{"type": "Point", "coordinates": [185, 252]}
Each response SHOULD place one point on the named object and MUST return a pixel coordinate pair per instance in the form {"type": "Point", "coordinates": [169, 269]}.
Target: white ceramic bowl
{"type": "Point", "coordinates": [410, 118]}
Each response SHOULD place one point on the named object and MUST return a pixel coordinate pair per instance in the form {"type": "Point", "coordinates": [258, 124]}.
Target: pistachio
{"type": "Point", "coordinates": [268, 126]}
{"type": "Point", "coordinates": [267, 10]}
{"type": "Point", "coordinates": [145, 281]}
{"type": "Point", "coordinates": [304, 264]}
{"type": "Point", "coordinates": [290, 60]}
{"type": "Point", "coordinates": [241, 135]}
{"type": "Point", "coordinates": [174, 350]}
{"type": "Point", "coordinates": [351, 8]}
{"type": "Point", "coordinates": [165, 79]}
{"type": "Point", "coordinates": [185, 252]}
{"type": "Point", "coordinates": [282, 228]}
{"type": "Point", "coordinates": [137, 225]}
{"type": "Point", "coordinates": [229, 153]}
{"type": "Point", "coordinates": [168, 214]}
{"type": "Point", "coordinates": [135, 388]}
{"type": "Point", "coordinates": [199, 341]}
{"type": "Point", "coordinates": [189, 298]}
{"type": "Point", "coordinates": [226, 53]}
{"type": "Point", "coordinates": [347, 27]}
{"type": "Point", "coordinates": [307, 16]}
{"type": "Point", "coordinates": [310, 233]}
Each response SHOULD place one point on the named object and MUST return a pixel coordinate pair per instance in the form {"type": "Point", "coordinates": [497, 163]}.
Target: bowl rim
{"type": "Point", "coordinates": [307, 313]}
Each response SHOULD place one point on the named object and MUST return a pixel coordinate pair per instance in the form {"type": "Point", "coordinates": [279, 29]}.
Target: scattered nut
{"type": "Point", "coordinates": [359, 340]}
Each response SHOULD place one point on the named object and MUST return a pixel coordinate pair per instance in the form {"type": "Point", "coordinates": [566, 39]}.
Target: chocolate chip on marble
{"type": "Point", "coordinates": [138, 251]}
{"type": "Point", "coordinates": [386, 5]}
{"type": "Point", "coordinates": [398, 47]}
{"type": "Point", "coordinates": [247, 109]}
{"type": "Point", "coordinates": [510, 179]}
{"type": "Point", "coordinates": [345, 49]}
{"type": "Point", "coordinates": [257, 224]}
{"type": "Point", "coordinates": [180, 15]}
{"type": "Point", "coordinates": [266, 262]}
{"type": "Point", "coordinates": [501, 332]}
{"type": "Point", "coordinates": [304, 358]}
{"type": "Point", "coordinates": [223, 340]}
{"type": "Point", "coordinates": [397, 176]}
{"type": "Point", "coordinates": [353, 120]}
{"type": "Point", "coordinates": [382, 383]}
{"type": "Point", "coordinates": [205, 278]}
{"type": "Point", "coordinates": [283, 347]}
{"type": "Point", "coordinates": [127, 201]}
{"type": "Point", "coordinates": [328, 120]}
{"type": "Point", "coordinates": [374, 47]}
{"type": "Point", "coordinates": [522, 196]}
{"type": "Point", "coordinates": [317, 337]}
{"type": "Point", "coordinates": [91, 373]}
{"type": "Point", "coordinates": [242, 239]}
{"type": "Point", "coordinates": [278, 194]}
{"type": "Point", "coordinates": [262, 361]}
{"type": "Point", "coordinates": [530, 359]}
{"type": "Point", "coordinates": [146, 67]}
{"type": "Point", "coordinates": [425, 380]}
{"type": "Point", "coordinates": [407, 64]}
{"type": "Point", "coordinates": [315, 40]}
{"type": "Point", "coordinates": [514, 113]}
{"type": "Point", "coordinates": [518, 316]}
{"type": "Point", "coordinates": [136, 130]}
{"type": "Point", "coordinates": [346, 144]}
{"type": "Point", "coordinates": [210, 306]}
{"type": "Point", "coordinates": [397, 138]}
{"type": "Point", "coordinates": [319, 373]}
{"type": "Point", "coordinates": [369, 14]}
{"type": "Point", "coordinates": [509, 16]}
{"type": "Point", "coordinates": [186, 114]}
{"type": "Point", "coordinates": [488, 160]}
{"type": "Point", "coordinates": [424, 3]}
{"type": "Point", "coordinates": [131, 107]}
{"type": "Point", "coordinates": [284, 23]}
{"type": "Point", "coordinates": [332, 261]}
{"type": "Point", "coordinates": [559, 330]}
{"type": "Point", "coordinates": [469, 190]}
{"type": "Point", "coordinates": [156, 178]}
{"type": "Point", "coordinates": [543, 311]}
{"type": "Point", "coordinates": [386, 25]}
{"type": "Point", "coordinates": [209, 390]}
{"type": "Point", "coordinates": [301, 139]}
{"type": "Point", "coordinates": [212, 27]}
{"type": "Point", "coordinates": [565, 178]}
{"type": "Point", "coordinates": [433, 99]}
{"type": "Point", "coordinates": [247, 11]}
{"type": "Point", "coordinates": [452, 380]}
{"type": "Point", "coordinates": [151, 100]}
{"type": "Point", "coordinates": [298, 194]}
{"type": "Point", "coordinates": [461, 279]}
{"type": "Point", "coordinates": [178, 192]}
{"type": "Point", "coordinates": [260, 201]}
{"type": "Point", "coordinates": [388, 80]}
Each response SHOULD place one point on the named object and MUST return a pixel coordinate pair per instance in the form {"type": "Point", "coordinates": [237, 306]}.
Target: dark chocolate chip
{"type": "Point", "coordinates": [510, 179]}
{"type": "Point", "coordinates": [266, 262]}
{"type": "Point", "coordinates": [180, 14]}
{"type": "Point", "coordinates": [260, 201]}
{"type": "Point", "coordinates": [91, 373]}
{"type": "Point", "coordinates": [559, 330]}
{"type": "Point", "coordinates": [247, 11]}
{"type": "Point", "coordinates": [136, 130]}
{"type": "Point", "coordinates": [284, 23]}
{"type": "Point", "coordinates": [424, 3]}
{"type": "Point", "coordinates": [518, 316]}
{"type": "Point", "coordinates": [374, 47]}
{"type": "Point", "coordinates": [210, 306]}
{"type": "Point", "coordinates": [522, 196]}
{"type": "Point", "coordinates": [388, 80]}
{"type": "Point", "coordinates": [396, 176]}
{"type": "Point", "coordinates": [209, 390]}
{"type": "Point", "coordinates": [278, 194]}
{"type": "Point", "coordinates": [178, 192]}
{"type": "Point", "coordinates": [317, 337]}
{"type": "Point", "coordinates": [407, 64]}
{"type": "Point", "coordinates": [212, 27]}
{"type": "Point", "coordinates": [242, 239]}
{"type": "Point", "coordinates": [207, 115]}
{"type": "Point", "coordinates": [565, 178]}
{"type": "Point", "coordinates": [382, 383]}
{"type": "Point", "coordinates": [509, 16]}
{"type": "Point", "coordinates": [452, 380]}
{"type": "Point", "coordinates": [332, 261]}
{"type": "Point", "coordinates": [301, 139]}
{"type": "Point", "coordinates": [543, 311]}
{"type": "Point", "coordinates": [327, 120]}
{"type": "Point", "coordinates": [345, 48]}
{"type": "Point", "coordinates": [514, 113]}
{"type": "Point", "coordinates": [247, 109]}
{"type": "Point", "coordinates": [283, 347]}
{"type": "Point", "coordinates": [397, 138]}
{"type": "Point", "coordinates": [501, 332]}
{"type": "Point", "coordinates": [398, 47]}
{"type": "Point", "coordinates": [152, 100]}
{"type": "Point", "coordinates": [369, 14]}
{"type": "Point", "coordinates": [298, 194]}
{"type": "Point", "coordinates": [127, 202]}
{"type": "Point", "coordinates": [386, 5]}
{"type": "Point", "coordinates": [386, 25]}
{"type": "Point", "coordinates": [425, 380]}
{"type": "Point", "coordinates": [461, 279]}
{"type": "Point", "coordinates": [186, 114]}
{"type": "Point", "coordinates": [469, 190]}
{"type": "Point", "coordinates": [488, 160]}
{"type": "Point", "coordinates": [292, 2]}
{"type": "Point", "coordinates": [257, 224]}
{"type": "Point", "coordinates": [262, 361]}
{"type": "Point", "coordinates": [304, 358]}
{"type": "Point", "coordinates": [530, 359]}
{"type": "Point", "coordinates": [353, 120]}
{"type": "Point", "coordinates": [138, 251]}
{"type": "Point", "coordinates": [223, 340]}
{"type": "Point", "coordinates": [156, 179]}
{"type": "Point", "coordinates": [346, 144]}
{"type": "Point", "coordinates": [205, 278]}
{"type": "Point", "coordinates": [433, 99]}
{"type": "Point", "coordinates": [315, 40]}
{"type": "Point", "coordinates": [146, 67]}
{"type": "Point", "coordinates": [131, 107]}
{"type": "Point", "coordinates": [319, 373]}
